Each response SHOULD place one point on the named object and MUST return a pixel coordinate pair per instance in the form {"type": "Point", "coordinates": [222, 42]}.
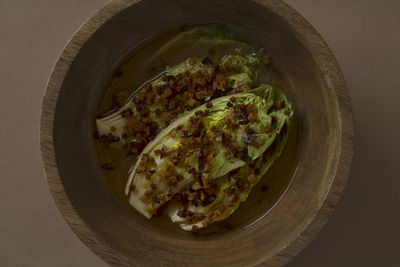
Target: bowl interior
{"type": "Point", "coordinates": [315, 104]}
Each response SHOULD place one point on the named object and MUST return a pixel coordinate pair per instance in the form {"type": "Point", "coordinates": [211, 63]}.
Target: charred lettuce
{"type": "Point", "coordinates": [207, 161]}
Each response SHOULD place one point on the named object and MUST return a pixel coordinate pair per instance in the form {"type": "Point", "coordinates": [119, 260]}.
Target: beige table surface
{"type": "Point", "coordinates": [363, 34]}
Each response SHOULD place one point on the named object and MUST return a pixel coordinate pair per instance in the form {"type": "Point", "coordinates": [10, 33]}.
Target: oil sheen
{"type": "Point", "coordinates": [144, 62]}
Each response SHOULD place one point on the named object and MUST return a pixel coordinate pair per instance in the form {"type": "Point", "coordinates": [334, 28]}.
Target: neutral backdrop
{"type": "Point", "coordinates": [363, 34]}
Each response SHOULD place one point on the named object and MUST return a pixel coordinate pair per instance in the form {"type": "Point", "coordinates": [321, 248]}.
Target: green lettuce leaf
{"type": "Point", "coordinates": [225, 202]}
{"type": "Point", "coordinates": [155, 186]}
{"type": "Point", "coordinates": [247, 71]}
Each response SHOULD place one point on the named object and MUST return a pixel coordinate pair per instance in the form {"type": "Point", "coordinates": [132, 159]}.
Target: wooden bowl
{"type": "Point", "coordinates": [317, 88]}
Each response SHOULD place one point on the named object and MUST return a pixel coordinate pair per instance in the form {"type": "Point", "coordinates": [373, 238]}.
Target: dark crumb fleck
{"type": "Point", "coordinates": [209, 105]}
{"type": "Point", "coordinates": [268, 129]}
{"type": "Point", "coordinates": [210, 199]}
{"type": "Point", "coordinates": [115, 139]}
{"type": "Point", "coordinates": [199, 113]}
{"type": "Point", "coordinates": [279, 104]}
{"type": "Point", "coordinates": [229, 104]}
{"type": "Point", "coordinates": [232, 99]}
{"type": "Point", "coordinates": [225, 226]}
{"type": "Point", "coordinates": [206, 61]}
{"type": "Point", "coordinates": [124, 135]}
{"type": "Point", "coordinates": [132, 187]}
{"type": "Point", "coordinates": [127, 112]}
{"type": "Point", "coordinates": [96, 135]}
{"type": "Point", "coordinates": [181, 213]}
{"type": "Point", "coordinates": [219, 132]}
{"type": "Point", "coordinates": [250, 131]}
{"type": "Point", "coordinates": [108, 166]}
{"type": "Point", "coordinates": [152, 171]}
{"type": "Point", "coordinates": [239, 183]}
{"type": "Point", "coordinates": [153, 129]}
{"type": "Point", "coordinates": [245, 156]}
{"type": "Point", "coordinates": [133, 144]}
{"type": "Point", "coordinates": [118, 73]}
{"type": "Point", "coordinates": [195, 230]}
{"type": "Point", "coordinates": [186, 133]}
{"type": "Point", "coordinates": [201, 163]}
{"type": "Point", "coordinates": [273, 119]}
{"type": "Point", "coordinates": [264, 188]}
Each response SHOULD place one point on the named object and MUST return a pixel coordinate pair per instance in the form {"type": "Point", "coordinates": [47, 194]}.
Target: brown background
{"type": "Point", "coordinates": [363, 34]}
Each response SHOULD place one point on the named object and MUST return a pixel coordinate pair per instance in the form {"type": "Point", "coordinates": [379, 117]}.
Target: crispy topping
{"type": "Point", "coordinates": [201, 95]}
{"type": "Point", "coordinates": [251, 178]}
{"type": "Point", "coordinates": [199, 113]}
{"type": "Point", "coordinates": [205, 183]}
{"type": "Point", "coordinates": [206, 61]}
{"type": "Point", "coordinates": [208, 200]}
{"type": "Point", "coordinates": [279, 104]}
{"type": "Point", "coordinates": [268, 129]}
{"type": "Point", "coordinates": [195, 229]}
{"type": "Point", "coordinates": [240, 183]}
{"type": "Point", "coordinates": [252, 117]}
{"type": "Point", "coordinates": [244, 156]}
{"type": "Point", "coordinates": [200, 160]}
{"type": "Point", "coordinates": [127, 113]}
{"type": "Point", "coordinates": [153, 186]}
{"type": "Point", "coordinates": [107, 140]}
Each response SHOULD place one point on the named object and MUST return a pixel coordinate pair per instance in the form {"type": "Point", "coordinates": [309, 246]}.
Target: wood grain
{"type": "Point", "coordinates": [321, 99]}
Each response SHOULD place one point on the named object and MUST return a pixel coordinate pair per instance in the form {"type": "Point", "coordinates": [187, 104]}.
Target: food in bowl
{"type": "Point", "coordinates": [199, 135]}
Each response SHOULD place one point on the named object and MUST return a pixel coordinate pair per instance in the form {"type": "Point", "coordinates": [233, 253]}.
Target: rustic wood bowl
{"type": "Point", "coordinates": [317, 89]}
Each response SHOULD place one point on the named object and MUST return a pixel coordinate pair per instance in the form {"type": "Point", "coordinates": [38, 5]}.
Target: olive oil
{"type": "Point", "coordinates": [143, 63]}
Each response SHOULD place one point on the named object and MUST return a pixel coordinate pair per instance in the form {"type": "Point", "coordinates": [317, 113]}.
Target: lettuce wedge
{"type": "Point", "coordinates": [203, 147]}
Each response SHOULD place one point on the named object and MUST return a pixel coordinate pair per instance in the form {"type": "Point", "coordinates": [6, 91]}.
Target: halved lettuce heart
{"type": "Point", "coordinates": [246, 73]}
{"type": "Point", "coordinates": [229, 194]}
{"type": "Point", "coordinates": [149, 184]}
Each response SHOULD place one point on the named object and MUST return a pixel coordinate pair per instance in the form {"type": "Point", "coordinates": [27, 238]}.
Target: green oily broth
{"type": "Point", "coordinates": [149, 59]}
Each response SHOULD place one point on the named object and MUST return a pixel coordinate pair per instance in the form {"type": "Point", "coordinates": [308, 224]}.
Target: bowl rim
{"type": "Point", "coordinates": [321, 54]}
